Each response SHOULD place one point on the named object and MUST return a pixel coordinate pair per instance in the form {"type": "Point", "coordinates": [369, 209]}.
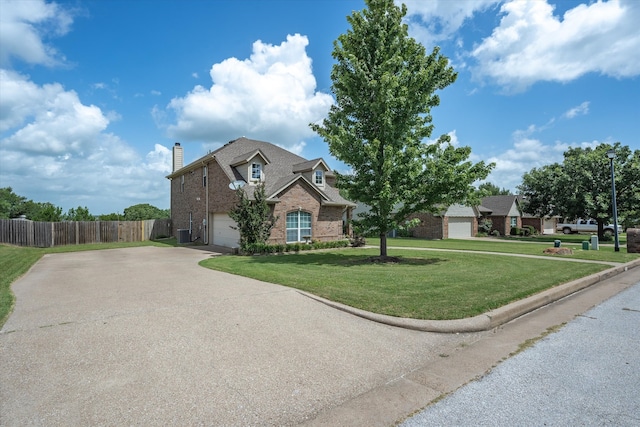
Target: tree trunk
{"type": "Point", "coordinates": [600, 229]}
{"type": "Point", "coordinates": [383, 245]}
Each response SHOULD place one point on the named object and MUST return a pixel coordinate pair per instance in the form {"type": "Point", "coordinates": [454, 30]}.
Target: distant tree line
{"type": "Point", "coordinates": [13, 205]}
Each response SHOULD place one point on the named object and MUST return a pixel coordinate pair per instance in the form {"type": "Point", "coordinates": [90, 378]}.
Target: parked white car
{"type": "Point", "coordinates": [584, 226]}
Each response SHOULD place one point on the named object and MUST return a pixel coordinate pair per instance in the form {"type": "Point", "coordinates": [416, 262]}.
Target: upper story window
{"type": "Point", "coordinates": [182, 183]}
{"type": "Point", "coordinates": [256, 171]}
{"type": "Point", "coordinates": [204, 176]}
{"type": "Point", "coordinates": [319, 177]}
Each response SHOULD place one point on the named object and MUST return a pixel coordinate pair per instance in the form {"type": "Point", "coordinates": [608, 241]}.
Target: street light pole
{"type": "Point", "coordinates": [611, 154]}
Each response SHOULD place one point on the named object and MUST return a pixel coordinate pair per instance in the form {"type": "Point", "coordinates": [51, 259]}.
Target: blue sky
{"type": "Point", "coordinates": [93, 94]}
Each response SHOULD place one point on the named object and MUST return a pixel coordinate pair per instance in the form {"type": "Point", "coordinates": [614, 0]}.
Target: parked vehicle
{"type": "Point", "coordinates": [584, 226]}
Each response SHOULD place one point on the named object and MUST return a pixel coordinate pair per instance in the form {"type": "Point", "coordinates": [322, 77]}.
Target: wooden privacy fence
{"type": "Point", "coordinates": [22, 232]}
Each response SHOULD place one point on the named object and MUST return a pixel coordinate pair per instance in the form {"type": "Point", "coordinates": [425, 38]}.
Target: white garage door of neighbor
{"type": "Point", "coordinates": [459, 228]}
{"type": "Point", "coordinates": [549, 226]}
{"type": "Point", "coordinates": [223, 234]}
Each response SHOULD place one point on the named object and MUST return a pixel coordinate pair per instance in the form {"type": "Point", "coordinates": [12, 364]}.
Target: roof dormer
{"type": "Point", "coordinates": [314, 171]}
{"type": "Point", "coordinates": [251, 166]}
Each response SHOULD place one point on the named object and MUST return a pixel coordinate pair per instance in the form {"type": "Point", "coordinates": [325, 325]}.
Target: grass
{"type": "Point", "coordinates": [606, 253]}
{"type": "Point", "coordinates": [16, 261]}
{"type": "Point", "coordinates": [425, 285]}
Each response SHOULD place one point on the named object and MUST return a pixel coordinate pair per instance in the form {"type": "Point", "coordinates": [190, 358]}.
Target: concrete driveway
{"type": "Point", "coordinates": [145, 336]}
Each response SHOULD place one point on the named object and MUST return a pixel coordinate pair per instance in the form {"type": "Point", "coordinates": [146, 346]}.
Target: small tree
{"type": "Point", "coordinates": [254, 218]}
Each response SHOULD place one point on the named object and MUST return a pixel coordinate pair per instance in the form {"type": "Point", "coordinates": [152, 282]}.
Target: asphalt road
{"type": "Point", "coordinates": [586, 374]}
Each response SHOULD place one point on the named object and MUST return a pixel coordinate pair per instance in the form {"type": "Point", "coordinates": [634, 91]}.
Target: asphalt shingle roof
{"type": "Point", "coordinates": [282, 169]}
{"type": "Point", "coordinates": [499, 205]}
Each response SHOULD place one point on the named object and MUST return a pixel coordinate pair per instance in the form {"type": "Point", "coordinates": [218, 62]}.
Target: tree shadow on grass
{"type": "Point", "coordinates": [342, 260]}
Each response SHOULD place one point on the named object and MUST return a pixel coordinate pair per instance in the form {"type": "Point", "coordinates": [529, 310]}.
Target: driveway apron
{"type": "Point", "coordinates": [146, 336]}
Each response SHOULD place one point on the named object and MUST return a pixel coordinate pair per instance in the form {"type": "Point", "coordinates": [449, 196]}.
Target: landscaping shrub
{"type": "Point", "coordinates": [265, 249]}
{"type": "Point", "coordinates": [485, 226]}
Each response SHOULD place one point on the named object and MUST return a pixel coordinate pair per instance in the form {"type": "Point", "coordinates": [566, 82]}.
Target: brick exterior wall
{"type": "Point", "coordinates": [326, 221]}
{"type": "Point", "coordinates": [503, 224]}
{"type": "Point", "coordinates": [431, 227]}
{"type": "Point", "coordinates": [191, 199]}
{"type": "Point", "coordinates": [221, 197]}
{"type": "Point", "coordinates": [633, 240]}
{"type": "Point", "coordinates": [534, 222]}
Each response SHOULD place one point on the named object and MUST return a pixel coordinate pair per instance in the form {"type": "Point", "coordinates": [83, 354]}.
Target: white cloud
{"type": "Point", "coordinates": [58, 121]}
{"type": "Point", "coordinates": [528, 153]}
{"type": "Point", "coordinates": [580, 110]}
{"type": "Point", "coordinates": [24, 24]}
{"type": "Point", "coordinates": [54, 148]}
{"type": "Point", "coordinates": [271, 96]}
{"type": "Point", "coordinates": [532, 44]}
{"type": "Point", "coordinates": [435, 20]}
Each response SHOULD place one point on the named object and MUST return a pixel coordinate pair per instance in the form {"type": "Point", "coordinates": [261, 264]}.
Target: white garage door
{"type": "Point", "coordinates": [460, 228]}
{"type": "Point", "coordinates": [549, 226]}
{"type": "Point", "coordinates": [223, 234]}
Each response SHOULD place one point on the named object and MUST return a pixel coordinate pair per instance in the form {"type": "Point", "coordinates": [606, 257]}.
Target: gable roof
{"type": "Point", "coordinates": [309, 165]}
{"type": "Point", "coordinates": [499, 205]}
{"type": "Point", "coordinates": [245, 158]}
{"type": "Point", "coordinates": [282, 168]}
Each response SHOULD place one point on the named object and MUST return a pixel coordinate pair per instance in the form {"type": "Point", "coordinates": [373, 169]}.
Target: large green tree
{"type": "Point", "coordinates": [489, 189]}
{"type": "Point", "coordinates": [580, 186]}
{"type": "Point", "coordinates": [384, 83]}
{"type": "Point", "coordinates": [79, 214]}
{"type": "Point", "coordinates": [11, 204]}
{"type": "Point", "coordinates": [145, 211]}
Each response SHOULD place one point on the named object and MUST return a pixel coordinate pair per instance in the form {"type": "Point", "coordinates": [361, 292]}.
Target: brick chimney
{"type": "Point", "coordinates": [178, 157]}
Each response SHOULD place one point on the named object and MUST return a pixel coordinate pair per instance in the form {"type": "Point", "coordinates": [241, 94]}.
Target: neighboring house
{"type": "Point", "coordinates": [544, 225]}
{"type": "Point", "coordinates": [455, 222]}
{"type": "Point", "coordinates": [503, 211]}
{"type": "Point", "coordinates": [300, 192]}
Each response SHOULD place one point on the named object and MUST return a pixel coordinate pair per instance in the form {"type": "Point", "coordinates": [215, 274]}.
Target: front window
{"type": "Point", "coordinates": [319, 178]}
{"type": "Point", "coordinates": [256, 171]}
{"type": "Point", "coordinates": [514, 221]}
{"type": "Point", "coordinates": [298, 226]}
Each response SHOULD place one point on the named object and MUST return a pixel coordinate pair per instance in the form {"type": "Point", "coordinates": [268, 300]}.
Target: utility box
{"type": "Point", "coordinates": [585, 246]}
{"type": "Point", "coordinates": [183, 235]}
{"type": "Point", "coordinates": [556, 243]}
{"type": "Point", "coordinates": [594, 243]}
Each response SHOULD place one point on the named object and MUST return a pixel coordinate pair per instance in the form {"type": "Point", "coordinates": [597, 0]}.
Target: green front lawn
{"type": "Point", "coordinates": [605, 253]}
{"type": "Point", "coordinates": [425, 285]}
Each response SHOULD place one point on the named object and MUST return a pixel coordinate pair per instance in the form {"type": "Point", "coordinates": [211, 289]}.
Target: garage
{"type": "Point", "coordinates": [460, 227]}
{"type": "Point", "coordinates": [549, 226]}
{"type": "Point", "coordinates": [222, 233]}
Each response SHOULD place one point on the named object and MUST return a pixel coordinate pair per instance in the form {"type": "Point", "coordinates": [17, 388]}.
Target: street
{"type": "Point", "coordinates": [587, 374]}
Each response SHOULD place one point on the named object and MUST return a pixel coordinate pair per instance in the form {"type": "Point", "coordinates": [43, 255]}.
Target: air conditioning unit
{"type": "Point", "coordinates": [183, 235]}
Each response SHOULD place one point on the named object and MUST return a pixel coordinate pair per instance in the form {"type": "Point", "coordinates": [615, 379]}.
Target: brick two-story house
{"type": "Point", "coordinates": [301, 193]}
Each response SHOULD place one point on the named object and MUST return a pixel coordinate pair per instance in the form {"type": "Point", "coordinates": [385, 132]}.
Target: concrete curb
{"type": "Point", "coordinates": [490, 319]}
